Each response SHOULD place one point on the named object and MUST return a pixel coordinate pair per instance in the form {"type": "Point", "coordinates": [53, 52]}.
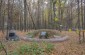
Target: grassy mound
{"type": "Point", "coordinates": [36, 33]}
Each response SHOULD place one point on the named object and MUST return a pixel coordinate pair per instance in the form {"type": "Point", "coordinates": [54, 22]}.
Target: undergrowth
{"type": "Point", "coordinates": [34, 49]}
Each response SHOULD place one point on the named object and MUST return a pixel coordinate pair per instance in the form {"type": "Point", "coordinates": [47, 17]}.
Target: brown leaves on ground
{"type": "Point", "coordinates": [69, 47]}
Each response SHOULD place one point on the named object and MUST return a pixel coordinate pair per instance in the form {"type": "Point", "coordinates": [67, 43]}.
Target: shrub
{"type": "Point", "coordinates": [49, 47]}
{"type": "Point", "coordinates": [31, 35]}
{"type": "Point", "coordinates": [1, 46]}
{"type": "Point", "coordinates": [34, 49]}
{"type": "Point", "coordinates": [14, 53]}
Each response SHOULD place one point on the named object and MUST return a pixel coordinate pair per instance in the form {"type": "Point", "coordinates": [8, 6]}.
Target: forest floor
{"type": "Point", "coordinates": [69, 47]}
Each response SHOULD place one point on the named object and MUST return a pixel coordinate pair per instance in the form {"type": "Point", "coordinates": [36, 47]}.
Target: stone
{"type": "Point", "coordinates": [12, 36]}
{"type": "Point", "coordinates": [43, 35]}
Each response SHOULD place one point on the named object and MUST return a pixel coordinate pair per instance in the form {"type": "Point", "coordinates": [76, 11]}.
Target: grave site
{"type": "Point", "coordinates": [42, 27]}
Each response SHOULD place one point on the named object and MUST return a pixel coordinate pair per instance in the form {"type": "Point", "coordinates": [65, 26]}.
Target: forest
{"type": "Point", "coordinates": [42, 27]}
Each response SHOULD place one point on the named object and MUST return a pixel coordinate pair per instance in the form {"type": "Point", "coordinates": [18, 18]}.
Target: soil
{"type": "Point", "coordinates": [70, 47]}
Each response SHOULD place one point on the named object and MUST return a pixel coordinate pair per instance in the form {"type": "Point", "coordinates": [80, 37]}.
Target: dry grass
{"type": "Point", "coordinates": [70, 47]}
